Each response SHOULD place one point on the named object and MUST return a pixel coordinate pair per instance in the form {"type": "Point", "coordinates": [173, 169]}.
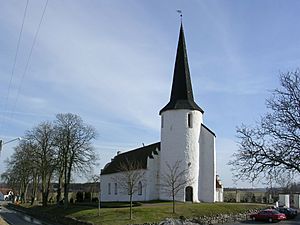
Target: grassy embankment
{"type": "Point", "coordinates": [142, 214]}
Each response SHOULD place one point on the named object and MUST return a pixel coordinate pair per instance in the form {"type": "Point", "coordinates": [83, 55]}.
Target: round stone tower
{"type": "Point", "coordinates": [181, 121]}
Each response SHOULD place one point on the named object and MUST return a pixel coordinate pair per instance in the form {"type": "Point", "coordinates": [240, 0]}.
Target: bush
{"type": "Point", "coordinates": [95, 199]}
{"type": "Point", "coordinates": [87, 196]}
{"type": "Point", "coordinates": [79, 196]}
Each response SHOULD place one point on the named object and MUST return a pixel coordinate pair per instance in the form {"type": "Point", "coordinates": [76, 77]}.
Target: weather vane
{"type": "Point", "coordinates": [180, 13]}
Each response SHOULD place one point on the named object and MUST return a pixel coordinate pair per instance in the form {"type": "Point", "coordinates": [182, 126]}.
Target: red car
{"type": "Point", "coordinates": [269, 215]}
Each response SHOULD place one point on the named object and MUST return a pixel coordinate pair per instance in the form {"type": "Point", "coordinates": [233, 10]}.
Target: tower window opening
{"type": "Point", "coordinates": [190, 120]}
{"type": "Point", "coordinates": [162, 121]}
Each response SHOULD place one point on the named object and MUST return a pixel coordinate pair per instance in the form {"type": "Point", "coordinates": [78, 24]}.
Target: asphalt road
{"type": "Point", "coordinates": [17, 218]}
{"type": "Point", "coordinates": [295, 221]}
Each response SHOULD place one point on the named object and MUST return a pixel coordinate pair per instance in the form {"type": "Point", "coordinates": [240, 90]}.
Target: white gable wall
{"type": "Point", "coordinates": [207, 169]}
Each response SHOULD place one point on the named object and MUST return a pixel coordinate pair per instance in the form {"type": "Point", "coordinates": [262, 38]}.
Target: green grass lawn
{"type": "Point", "coordinates": [153, 212]}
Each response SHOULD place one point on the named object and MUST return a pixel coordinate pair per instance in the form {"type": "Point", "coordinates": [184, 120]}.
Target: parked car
{"type": "Point", "coordinates": [270, 215]}
{"type": "Point", "coordinates": [288, 212]}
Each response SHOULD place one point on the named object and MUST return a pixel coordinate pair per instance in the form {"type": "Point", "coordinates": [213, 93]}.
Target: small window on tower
{"type": "Point", "coordinates": [190, 120]}
{"type": "Point", "coordinates": [162, 121]}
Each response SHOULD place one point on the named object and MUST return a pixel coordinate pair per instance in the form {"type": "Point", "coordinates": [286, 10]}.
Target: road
{"type": "Point", "coordinates": [295, 221]}
{"type": "Point", "coordinates": [17, 218]}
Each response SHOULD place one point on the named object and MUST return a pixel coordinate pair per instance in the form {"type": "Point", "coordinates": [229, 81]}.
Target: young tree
{"type": "Point", "coordinates": [174, 180]}
{"type": "Point", "coordinates": [273, 145]}
{"type": "Point", "coordinates": [95, 180]}
{"type": "Point", "coordinates": [128, 179]}
{"type": "Point", "coordinates": [76, 153]}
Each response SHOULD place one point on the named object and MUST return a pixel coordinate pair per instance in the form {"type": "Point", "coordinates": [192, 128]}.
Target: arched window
{"type": "Point", "coordinates": [109, 188]}
{"type": "Point", "coordinates": [116, 188]}
{"type": "Point", "coordinates": [140, 188]}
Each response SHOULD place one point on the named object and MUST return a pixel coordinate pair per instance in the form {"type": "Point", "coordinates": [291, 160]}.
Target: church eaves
{"type": "Point", "coordinates": [182, 93]}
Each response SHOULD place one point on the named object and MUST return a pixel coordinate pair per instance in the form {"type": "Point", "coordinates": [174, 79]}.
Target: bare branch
{"type": "Point", "coordinates": [273, 145]}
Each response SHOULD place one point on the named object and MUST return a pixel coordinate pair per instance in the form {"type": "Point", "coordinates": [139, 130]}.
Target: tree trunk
{"type": "Point", "coordinates": [34, 189]}
{"type": "Point", "coordinates": [58, 195]}
{"type": "Point", "coordinates": [173, 196]}
{"type": "Point", "coordinates": [66, 193]}
{"type": "Point", "coordinates": [25, 192]}
{"type": "Point", "coordinates": [66, 183]}
{"type": "Point", "coordinates": [44, 198]}
{"type": "Point", "coordinates": [60, 181]}
{"type": "Point", "coordinates": [130, 213]}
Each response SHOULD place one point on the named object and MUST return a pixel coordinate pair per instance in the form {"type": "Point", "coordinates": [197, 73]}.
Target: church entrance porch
{"type": "Point", "coordinates": [189, 194]}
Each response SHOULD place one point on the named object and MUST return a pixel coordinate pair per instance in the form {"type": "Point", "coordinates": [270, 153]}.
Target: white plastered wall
{"type": "Point", "coordinates": [297, 201]}
{"type": "Point", "coordinates": [284, 200]}
{"type": "Point", "coordinates": [219, 195]}
{"type": "Point", "coordinates": [152, 178]}
{"type": "Point", "coordinates": [180, 143]}
{"type": "Point", "coordinates": [149, 181]}
{"type": "Point", "coordinates": [121, 195]}
{"type": "Point", "coordinates": [207, 169]}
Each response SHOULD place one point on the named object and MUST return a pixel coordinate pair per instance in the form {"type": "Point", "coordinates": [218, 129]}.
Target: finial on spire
{"type": "Point", "coordinates": [179, 11]}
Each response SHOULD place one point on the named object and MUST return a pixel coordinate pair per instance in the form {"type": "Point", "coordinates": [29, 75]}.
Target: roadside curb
{"type": "Point", "coordinates": [3, 222]}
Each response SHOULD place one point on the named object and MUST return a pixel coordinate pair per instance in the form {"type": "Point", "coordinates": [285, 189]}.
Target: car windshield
{"type": "Point", "coordinates": [264, 212]}
{"type": "Point", "coordinates": [275, 212]}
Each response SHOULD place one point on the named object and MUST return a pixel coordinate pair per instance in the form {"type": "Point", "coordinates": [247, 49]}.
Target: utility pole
{"type": "Point", "coordinates": [99, 197]}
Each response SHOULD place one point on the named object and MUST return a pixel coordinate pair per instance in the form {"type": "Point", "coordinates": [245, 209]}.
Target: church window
{"type": "Point", "coordinates": [162, 121]}
{"type": "Point", "coordinates": [116, 188]}
{"type": "Point", "coordinates": [109, 188]}
{"type": "Point", "coordinates": [190, 120]}
{"type": "Point", "coordinates": [140, 188]}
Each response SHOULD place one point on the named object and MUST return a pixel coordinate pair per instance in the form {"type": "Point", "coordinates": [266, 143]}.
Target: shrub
{"type": "Point", "coordinates": [79, 196]}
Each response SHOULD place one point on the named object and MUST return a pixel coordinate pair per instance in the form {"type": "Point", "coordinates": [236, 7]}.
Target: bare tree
{"type": "Point", "coordinates": [95, 180]}
{"type": "Point", "coordinates": [76, 153]}
{"type": "Point", "coordinates": [273, 145]}
{"type": "Point", "coordinates": [41, 139]}
{"type": "Point", "coordinates": [130, 175]}
{"type": "Point", "coordinates": [18, 174]}
{"type": "Point", "coordinates": [174, 180]}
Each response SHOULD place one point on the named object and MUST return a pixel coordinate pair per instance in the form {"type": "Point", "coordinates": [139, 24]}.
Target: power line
{"type": "Point", "coordinates": [14, 66]}
{"type": "Point", "coordinates": [28, 59]}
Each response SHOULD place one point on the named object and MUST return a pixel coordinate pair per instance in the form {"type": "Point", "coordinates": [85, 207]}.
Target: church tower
{"type": "Point", "coordinates": [181, 122]}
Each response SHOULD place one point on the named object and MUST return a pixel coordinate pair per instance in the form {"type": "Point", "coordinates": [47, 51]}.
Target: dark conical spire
{"type": "Point", "coordinates": [182, 93]}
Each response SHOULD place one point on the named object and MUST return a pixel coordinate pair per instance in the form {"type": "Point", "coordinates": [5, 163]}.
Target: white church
{"type": "Point", "coordinates": [185, 141]}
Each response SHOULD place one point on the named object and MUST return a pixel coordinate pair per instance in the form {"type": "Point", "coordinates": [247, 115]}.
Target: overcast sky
{"type": "Point", "coordinates": [111, 62]}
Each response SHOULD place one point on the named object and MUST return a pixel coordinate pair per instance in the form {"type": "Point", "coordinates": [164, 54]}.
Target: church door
{"type": "Point", "coordinates": [189, 194]}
